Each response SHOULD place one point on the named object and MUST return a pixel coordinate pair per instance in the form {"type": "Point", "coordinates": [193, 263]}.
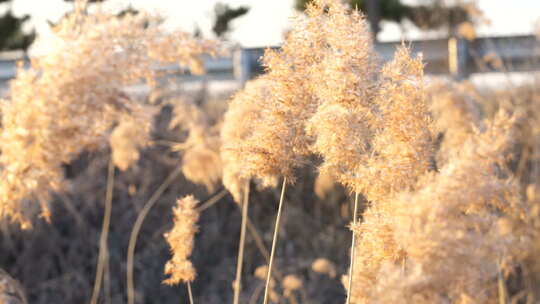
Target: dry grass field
{"type": "Point", "coordinates": [331, 178]}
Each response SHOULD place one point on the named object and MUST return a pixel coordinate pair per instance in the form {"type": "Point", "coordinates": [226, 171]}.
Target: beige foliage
{"type": "Point", "coordinates": [241, 118]}
{"type": "Point", "coordinates": [127, 138]}
{"type": "Point", "coordinates": [324, 184]}
{"type": "Point", "coordinates": [456, 115]}
{"type": "Point", "coordinates": [181, 241]}
{"type": "Point", "coordinates": [450, 237]}
{"type": "Point", "coordinates": [70, 98]}
{"type": "Point", "coordinates": [201, 162]}
{"type": "Point", "coordinates": [324, 266]}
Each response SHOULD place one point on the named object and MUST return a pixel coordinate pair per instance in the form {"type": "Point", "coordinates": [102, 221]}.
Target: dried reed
{"type": "Point", "coordinates": [70, 98]}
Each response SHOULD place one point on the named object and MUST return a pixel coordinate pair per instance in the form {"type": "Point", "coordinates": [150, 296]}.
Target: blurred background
{"type": "Point", "coordinates": [453, 36]}
{"type": "Point", "coordinates": [255, 23]}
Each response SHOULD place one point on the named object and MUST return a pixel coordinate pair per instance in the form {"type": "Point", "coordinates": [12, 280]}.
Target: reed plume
{"type": "Point", "coordinates": [382, 145]}
{"type": "Point", "coordinates": [324, 185]}
{"type": "Point", "coordinates": [69, 99]}
{"type": "Point", "coordinates": [181, 241]}
{"type": "Point", "coordinates": [242, 117]}
{"type": "Point", "coordinates": [201, 161]}
{"type": "Point", "coordinates": [239, 122]}
{"type": "Point", "coordinates": [447, 240]}
{"type": "Point", "coordinates": [327, 96]}
{"type": "Point", "coordinates": [324, 266]}
{"type": "Point", "coordinates": [128, 137]}
{"type": "Point", "coordinates": [456, 114]}
{"type": "Point", "coordinates": [326, 57]}
{"type": "Point", "coordinates": [371, 126]}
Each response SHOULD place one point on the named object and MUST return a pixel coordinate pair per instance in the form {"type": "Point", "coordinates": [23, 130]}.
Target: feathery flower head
{"type": "Point", "coordinates": [447, 238]}
{"type": "Point", "coordinates": [327, 56]}
{"type": "Point", "coordinates": [243, 116]}
{"type": "Point", "coordinates": [69, 99]}
{"type": "Point", "coordinates": [181, 241]}
{"type": "Point", "coordinates": [379, 142]}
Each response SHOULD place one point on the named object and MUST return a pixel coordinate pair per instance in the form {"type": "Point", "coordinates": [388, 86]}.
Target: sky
{"type": "Point", "coordinates": [268, 19]}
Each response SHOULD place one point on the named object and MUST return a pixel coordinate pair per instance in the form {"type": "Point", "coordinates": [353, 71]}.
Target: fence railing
{"type": "Point", "coordinates": [456, 57]}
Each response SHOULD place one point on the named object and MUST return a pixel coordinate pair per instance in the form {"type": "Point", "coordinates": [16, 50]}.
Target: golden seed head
{"type": "Point", "coordinates": [261, 272]}
{"type": "Point", "coordinates": [68, 101]}
{"type": "Point", "coordinates": [532, 193]}
{"type": "Point", "coordinates": [324, 266]}
{"type": "Point", "coordinates": [181, 241]}
{"type": "Point", "coordinates": [291, 282]}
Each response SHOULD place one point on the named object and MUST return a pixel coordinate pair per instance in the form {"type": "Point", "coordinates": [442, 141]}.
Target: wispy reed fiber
{"type": "Point", "coordinates": [69, 99]}
{"type": "Point", "coordinates": [181, 241]}
{"type": "Point", "coordinates": [446, 240]}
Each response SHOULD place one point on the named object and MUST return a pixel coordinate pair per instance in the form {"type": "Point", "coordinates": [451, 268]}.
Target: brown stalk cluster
{"type": "Point", "coordinates": [69, 99]}
{"type": "Point", "coordinates": [449, 239]}
{"type": "Point", "coordinates": [181, 241]}
{"type": "Point", "coordinates": [201, 162]}
{"type": "Point", "coordinates": [442, 222]}
{"type": "Point", "coordinates": [324, 94]}
{"type": "Point", "coordinates": [128, 137]}
{"type": "Point", "coordinates": [277, 142]}
{"type": "Point", "coordinates": [456, 113]}
{"type": "Point", "coordinates": [525, 100]}
{"type": "Point", "coordinates": [239, 122]}
{"type": "Point", "coordinates": [379, 145]}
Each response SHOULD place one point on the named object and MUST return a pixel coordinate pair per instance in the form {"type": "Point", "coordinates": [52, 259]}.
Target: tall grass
{"type": "Point", "coordinates": [446, 205]}
{"type": "Point", "coordinates": [68, 101]}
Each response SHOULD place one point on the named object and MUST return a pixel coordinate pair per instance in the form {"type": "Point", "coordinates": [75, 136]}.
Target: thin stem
{"type": "Point", "coordinates": [68, 203]}
{"type": "Point", "coordinates": [137, 227]}
{"type": "Point", "coordinates": [256, 294]}
{"type": "Point", "coordinates": [107, 279]}
{"type": "Point", "coordinates": [190, 293]}
{"type": "Point", "coordinates": [274, 241]}
{"type": "Point", "coordinates": [262, 248]}
{"type": "Point", "coordinates": [239, 263]}
{"type": "Point", "coordinates": [353, 249]}
{"type": "Point", "coordinates": [259, 241]}
{"type": "Point", "coordinates": [103, 250]}
{"type": "Point", "coordinates": [211, 201]}
{"type": "Point", "coordinates": [260, 245]}
{"type": "Point", "coordinates": [503, 299]}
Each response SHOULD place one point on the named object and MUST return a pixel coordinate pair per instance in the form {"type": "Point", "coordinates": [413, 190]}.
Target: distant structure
{"type": "Point", "coordinates": [456, 57]}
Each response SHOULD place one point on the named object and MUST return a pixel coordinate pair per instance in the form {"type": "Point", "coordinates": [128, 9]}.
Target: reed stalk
{"type": "Point", "coordinates": [274, 241]}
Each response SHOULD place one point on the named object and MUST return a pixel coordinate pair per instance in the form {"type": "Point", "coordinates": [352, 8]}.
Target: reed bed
{"type": "Point", "coordinates": [330, 178]}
